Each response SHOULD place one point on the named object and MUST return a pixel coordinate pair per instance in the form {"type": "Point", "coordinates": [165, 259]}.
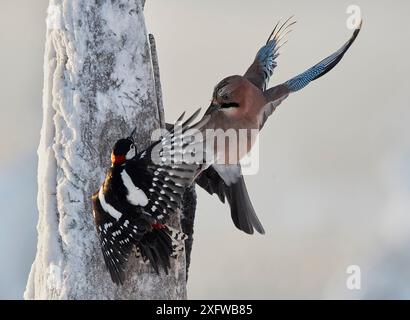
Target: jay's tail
{"type": "Point", "coordinates": [242, 212]}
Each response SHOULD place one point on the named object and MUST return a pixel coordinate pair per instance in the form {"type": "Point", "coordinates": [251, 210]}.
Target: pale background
{"type": "Point", "coordinates": [333, 188]}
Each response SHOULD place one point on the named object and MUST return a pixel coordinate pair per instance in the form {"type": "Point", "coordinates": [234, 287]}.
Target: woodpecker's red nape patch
{"type": "Point", "coordinates": [158, 226]}
{"type": "Point", "coordinates": [117, 159]}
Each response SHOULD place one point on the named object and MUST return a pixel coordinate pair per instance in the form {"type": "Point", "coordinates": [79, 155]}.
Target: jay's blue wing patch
{"type": "Point", "coordinates": [299, 82]}
{"type": "Point", "coordinates": [277, 94]}
{"type": "Point", "coordinates": [265, 62]}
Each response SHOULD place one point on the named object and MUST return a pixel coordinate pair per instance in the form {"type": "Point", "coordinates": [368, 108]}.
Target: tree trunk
{"type": "Point", "coordinates": [101, 79]}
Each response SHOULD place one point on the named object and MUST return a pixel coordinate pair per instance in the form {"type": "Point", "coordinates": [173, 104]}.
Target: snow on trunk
{"type": "Point", "coordinates": [99, 82]}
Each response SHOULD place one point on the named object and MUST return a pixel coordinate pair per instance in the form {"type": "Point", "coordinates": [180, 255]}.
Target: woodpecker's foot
{"type": "Point", "coordinates": [158, 226]}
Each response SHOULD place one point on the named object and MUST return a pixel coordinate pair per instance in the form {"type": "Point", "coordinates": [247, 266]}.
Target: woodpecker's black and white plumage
{"type": "Point", "coordinates": [136, 199]}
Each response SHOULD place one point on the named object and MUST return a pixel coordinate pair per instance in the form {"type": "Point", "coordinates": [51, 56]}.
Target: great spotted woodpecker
{"type": "Point", "coordinates": [138, 196]}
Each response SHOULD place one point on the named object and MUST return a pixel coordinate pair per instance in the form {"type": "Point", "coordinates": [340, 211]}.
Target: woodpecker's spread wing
{"type": "Point", "coordinates": [136, 196]}
{"type": "Point", "coordinates": [168, 167]}
{"type": "Point", "coordinates": [120, 237]}
{"type": "Point", "coordinates": [117, 236]}
{"type": "Point", "coordinates": [264, 64]}
{"type": "Point", "coordinates": [242, 212]}
{"type": "Point", "coordinates": [277, 94]}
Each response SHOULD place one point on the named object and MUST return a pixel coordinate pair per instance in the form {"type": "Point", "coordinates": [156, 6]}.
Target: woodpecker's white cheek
{"type": "Point", "coordinates": [135, 196]}
{"type": "Point", "coordinates": [130, 154]}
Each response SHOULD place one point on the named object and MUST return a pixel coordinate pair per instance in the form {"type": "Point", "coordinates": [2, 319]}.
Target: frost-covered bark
{"type": "Point", "coordinates": [187, 222]}
{"type": "Point", "coordinates": [99, 83]}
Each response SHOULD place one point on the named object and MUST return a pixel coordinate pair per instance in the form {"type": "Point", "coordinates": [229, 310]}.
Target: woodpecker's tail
{"type": "Point", "coordinates": [159, 245]}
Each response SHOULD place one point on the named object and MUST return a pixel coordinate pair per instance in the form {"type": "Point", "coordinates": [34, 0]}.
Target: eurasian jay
{"type": "Point", "coordinates": [243, 102]}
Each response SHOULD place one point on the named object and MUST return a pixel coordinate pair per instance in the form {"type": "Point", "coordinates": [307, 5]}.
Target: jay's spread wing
{"type": "Point", "coordinates": [230, 173]}
{"type": "Point", "coordinates": [299, 82]}
{"type": "Point", "coordinates": [242, 212]}
{"type": "Point", "coordinates": [264, 64]}
{"type": "Point", "coordinates": [277, 94]}
{"type": "Point", "coordinates": [211, 182]}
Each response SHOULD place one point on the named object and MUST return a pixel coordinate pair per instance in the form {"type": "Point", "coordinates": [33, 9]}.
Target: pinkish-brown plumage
{"type": "Point", "coordinates": [244, 102]}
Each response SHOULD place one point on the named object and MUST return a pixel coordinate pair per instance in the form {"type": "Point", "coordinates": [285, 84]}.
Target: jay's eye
{"type": "Point", "coordinates": [225, 96]}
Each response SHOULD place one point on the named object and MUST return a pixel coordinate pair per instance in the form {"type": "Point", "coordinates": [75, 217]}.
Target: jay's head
{"type": "Point", "coordinates": [228, 93]}
{"type": "Point", "coordinates": [124, 149]}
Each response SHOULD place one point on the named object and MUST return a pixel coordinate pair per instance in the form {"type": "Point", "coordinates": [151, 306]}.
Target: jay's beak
{"type": "Point", "coordinates": [214, 106]}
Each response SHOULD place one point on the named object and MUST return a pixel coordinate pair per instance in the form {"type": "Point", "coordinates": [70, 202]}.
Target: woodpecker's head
{"type": "Point", "coordinates": [227, 94]}
{"type": "Point", "coordinates": [124, 149]}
